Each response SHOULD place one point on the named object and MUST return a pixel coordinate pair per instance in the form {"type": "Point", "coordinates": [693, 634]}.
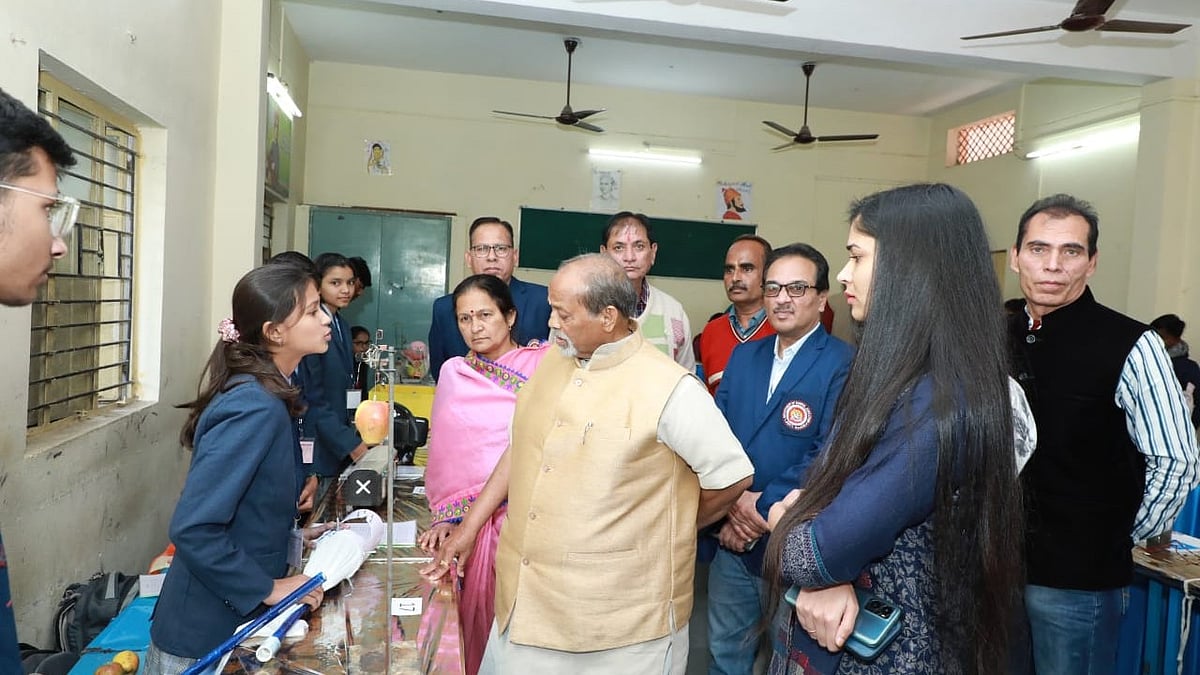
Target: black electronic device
{"type": "Point", "coordinates": [364, 486]}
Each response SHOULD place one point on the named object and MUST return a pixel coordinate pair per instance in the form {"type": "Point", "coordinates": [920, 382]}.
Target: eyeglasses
{"type": "Point", "coordinates": [62, 213]}
{"type": "Point", "coordinates": [795, 289]}
{"type": "Point", "coordinates": [482, 250]}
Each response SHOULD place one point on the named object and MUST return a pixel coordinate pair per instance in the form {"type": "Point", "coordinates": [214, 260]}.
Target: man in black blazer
{"type": "Point", "coordinates": [490, 250]}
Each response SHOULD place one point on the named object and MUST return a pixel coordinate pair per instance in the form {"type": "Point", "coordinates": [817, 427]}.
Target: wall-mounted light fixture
{"type": "Point", "coordinates": [279, 91]}
{"type": "Point", "coordinates": [1106, 135]}
{"type": "Point", "coordinates": [648, 155]}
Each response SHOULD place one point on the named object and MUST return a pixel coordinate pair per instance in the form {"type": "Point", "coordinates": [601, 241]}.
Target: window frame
{"type": "Point", "coordinates": [993, 136]}
{"type": "Point", "coordinates": [98, 348]}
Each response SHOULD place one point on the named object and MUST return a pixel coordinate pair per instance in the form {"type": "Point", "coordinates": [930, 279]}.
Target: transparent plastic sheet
{"type": "Point", "coordinates": [439, 640]}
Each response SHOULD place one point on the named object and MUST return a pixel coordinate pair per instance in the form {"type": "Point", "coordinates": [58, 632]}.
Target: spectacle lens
{"type": "Point", "coordinates": [482, 250]}
{"type": "Point", "coordinates": [62, 213]}
{"type": "Point", "coordinates": [795, 289]}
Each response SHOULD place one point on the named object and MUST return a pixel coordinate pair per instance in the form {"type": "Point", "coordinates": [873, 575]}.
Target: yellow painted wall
{"type": "Point", "coordinates": [451, 154]}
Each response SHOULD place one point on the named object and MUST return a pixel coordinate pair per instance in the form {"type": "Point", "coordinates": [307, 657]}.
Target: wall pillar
{"type": "Point", "coordinates": [1165, 248]}
{"type": "Point", "coordinates": [238, 183]}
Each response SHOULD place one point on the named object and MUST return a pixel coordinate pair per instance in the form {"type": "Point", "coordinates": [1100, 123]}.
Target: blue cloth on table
{"type": "Point", "coordinates": [129, 630]}
{"type": "Point", "coordinates": [1133, 626]}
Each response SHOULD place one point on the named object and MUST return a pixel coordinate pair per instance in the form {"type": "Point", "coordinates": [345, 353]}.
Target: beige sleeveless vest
{"type": "Point", "coordinates": [599, 547]}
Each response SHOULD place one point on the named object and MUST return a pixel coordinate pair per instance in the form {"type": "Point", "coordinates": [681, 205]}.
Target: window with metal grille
{"type": "Point", "coordinates": [991, 137]}
{"type": "Point", "coordinates": [81, 342]}
{"type": "Point", "coordinates": [268, 229]}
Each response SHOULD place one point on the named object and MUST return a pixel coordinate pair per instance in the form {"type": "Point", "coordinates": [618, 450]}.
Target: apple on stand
{"type": "Point", "coordinates": [371, 418]}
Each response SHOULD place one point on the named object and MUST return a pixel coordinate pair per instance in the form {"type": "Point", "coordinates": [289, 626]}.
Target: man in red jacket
{"type": "Point", "coordinates": [745, 320]}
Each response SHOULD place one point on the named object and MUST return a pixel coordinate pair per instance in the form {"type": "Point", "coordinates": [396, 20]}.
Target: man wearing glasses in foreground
{"type": "Point", "coordinates": [778, 396]}
{"type": "Point", "coordinates": [34, 221]}
{"type": "Point", "coordinates": [491, 251]}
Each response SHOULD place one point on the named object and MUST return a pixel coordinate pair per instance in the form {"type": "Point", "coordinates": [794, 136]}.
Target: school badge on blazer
{"type": "Point", "coordinates": [797, 415]}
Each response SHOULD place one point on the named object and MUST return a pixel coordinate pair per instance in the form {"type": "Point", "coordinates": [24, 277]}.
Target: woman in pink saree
{"type": "Point", "coordinates": [469, 429]}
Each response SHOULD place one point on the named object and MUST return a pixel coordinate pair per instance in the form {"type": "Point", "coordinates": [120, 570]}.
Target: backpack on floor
{"type": "Point", "coordinates": [87, 608]}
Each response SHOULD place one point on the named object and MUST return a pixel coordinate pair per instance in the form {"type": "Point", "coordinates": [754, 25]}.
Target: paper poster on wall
{"type": "Point", "coordinates": [279, 150]}
{"type": "Point", "coordinates": [606, 190]}
{"type": "Point", "coordinates": [733, 200]}
{"type": "Point", "coordinates": [379, 157]}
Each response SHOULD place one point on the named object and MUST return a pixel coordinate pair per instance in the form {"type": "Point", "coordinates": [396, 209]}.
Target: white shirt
{"type": "Point", "coordinates": [780, 363]}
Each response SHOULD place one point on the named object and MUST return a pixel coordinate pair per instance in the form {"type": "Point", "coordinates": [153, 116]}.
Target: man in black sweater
{"type": "Point", "coordinates": [1116, 452]}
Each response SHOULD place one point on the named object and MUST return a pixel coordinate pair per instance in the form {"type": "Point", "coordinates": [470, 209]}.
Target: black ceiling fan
{"type": "Point", "coordinates": [805, 136]}
{"type": "Point", "coordinates": [1089, 15]}
{"type": "Point", "coordinates": [567, 116]}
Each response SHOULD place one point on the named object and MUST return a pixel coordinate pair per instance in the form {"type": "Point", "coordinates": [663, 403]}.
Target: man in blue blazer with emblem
{"type": "Point", "coordinates": [778, 396]}
{"type": "Point", "coordinates": [490, 250]}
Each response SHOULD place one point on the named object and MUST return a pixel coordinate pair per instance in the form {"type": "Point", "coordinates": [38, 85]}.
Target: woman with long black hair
{"type": "Point", "coordinates": [239, 504]}
{"type": "Point", "coordinates": [915, 498]}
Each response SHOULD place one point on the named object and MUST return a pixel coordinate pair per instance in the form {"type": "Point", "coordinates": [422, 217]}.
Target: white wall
{"type": "Point", "coordinates": [98, 492]}
{"type": "Point", "coordinates": [450, 154]}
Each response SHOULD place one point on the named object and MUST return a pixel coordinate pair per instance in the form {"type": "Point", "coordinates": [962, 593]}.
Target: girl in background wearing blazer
{"type": "Point", "coordinates": [327, 377]}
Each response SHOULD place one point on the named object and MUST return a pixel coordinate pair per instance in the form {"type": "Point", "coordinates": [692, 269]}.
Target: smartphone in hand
{"type": "Point", "coordinates": [877, 624]}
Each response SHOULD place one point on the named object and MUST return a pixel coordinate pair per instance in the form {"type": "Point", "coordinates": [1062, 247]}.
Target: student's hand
{"type": "Point", "coordinates": [453, 553]}
{"type": "Point", "coordinates": [307, 494]}
{"type": "Point", "coordinates": [431, 540]}
{"type": "Point", "coordinates": [284, 587]}
{"type": "Point", "coordinates": [357, 453]}
{"type": "Point", "coordinates": [828, 614]}
{"type": "Point", "coordinates": [780, 507]}
{"type": "Point", "coordinates": [744, 514]}
{"type": "Point", "coordinates": [313, 532]}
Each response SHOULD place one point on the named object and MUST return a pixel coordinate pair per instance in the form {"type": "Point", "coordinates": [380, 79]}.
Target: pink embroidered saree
{"type": "Point", "coordinates": [469, 429]}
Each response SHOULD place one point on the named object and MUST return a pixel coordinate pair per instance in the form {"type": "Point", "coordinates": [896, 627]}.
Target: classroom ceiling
{"type": "Point", "coordinates": [875, 55]}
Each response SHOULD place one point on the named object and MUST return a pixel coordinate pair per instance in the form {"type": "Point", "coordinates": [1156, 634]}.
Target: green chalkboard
{"type": "Point", "coordinates": [692, 249]}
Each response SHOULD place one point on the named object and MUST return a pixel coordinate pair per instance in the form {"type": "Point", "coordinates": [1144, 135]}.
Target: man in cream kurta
{"type": "Point", "coordinates": [617, 455]}
{"type": "Point", "coordinates": [629, 239]}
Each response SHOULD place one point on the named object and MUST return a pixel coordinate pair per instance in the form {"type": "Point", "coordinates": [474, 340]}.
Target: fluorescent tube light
{"type": "Point", "coordinates": [645, 155]}
{"type": "Point", "coordinates": [279, 91]}
{"type": "Point", "coordinates": [1102, 138]}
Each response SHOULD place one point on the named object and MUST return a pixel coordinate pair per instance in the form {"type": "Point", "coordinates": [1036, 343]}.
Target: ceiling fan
{"type": "Point", "coordinates": [805, 136]}
{"type": "Point", "coordinates": [1089, 15]}
{"type": "Point", "coordinates": [567, 116]}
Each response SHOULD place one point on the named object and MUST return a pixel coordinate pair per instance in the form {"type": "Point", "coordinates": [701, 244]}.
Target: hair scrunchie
{"type": "Point", "coordinates": [228, 331]}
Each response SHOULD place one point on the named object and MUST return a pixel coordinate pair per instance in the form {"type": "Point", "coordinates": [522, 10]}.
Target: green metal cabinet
{"type": "Point", "coordinates": [407, 254]}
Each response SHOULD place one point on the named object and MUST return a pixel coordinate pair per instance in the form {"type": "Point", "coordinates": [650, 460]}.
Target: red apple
{"type": "Point", "coordinates": [371, 418]}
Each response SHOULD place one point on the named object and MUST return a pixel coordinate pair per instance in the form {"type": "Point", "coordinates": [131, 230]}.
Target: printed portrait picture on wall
{"type": "Point", "coordinates": [606, 190]}
{"type": "Point", "coordinates": [733, 200]}
{"type": "Point", "coordinates": [379, 158]}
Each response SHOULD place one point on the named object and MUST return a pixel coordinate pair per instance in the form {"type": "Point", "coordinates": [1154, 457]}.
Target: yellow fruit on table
{"type": "Point", "coordinates": [109, 669]}
{"type": "Point", "coordinates": [371, 419]}
{"type": "Point", "coordinates": [127, 660]}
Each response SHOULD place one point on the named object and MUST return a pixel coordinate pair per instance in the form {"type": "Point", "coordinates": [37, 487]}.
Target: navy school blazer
{"type": "Point", "coordinates": [324, 379]}
{"type": "Point", "coordinates": [232, 522]}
